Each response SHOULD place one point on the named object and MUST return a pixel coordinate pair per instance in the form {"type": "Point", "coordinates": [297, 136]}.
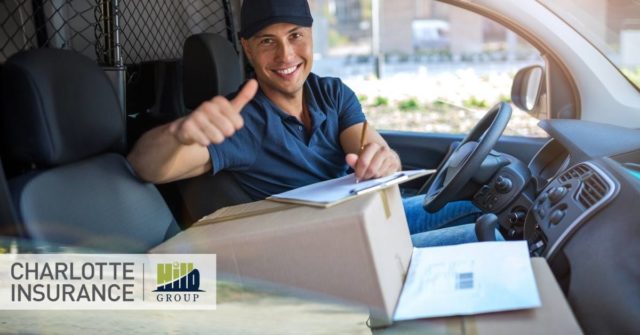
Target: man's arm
{"type": "Point", "coordinates": [178, 150]}
{"type": "Point", "coordinates": [376, 160]}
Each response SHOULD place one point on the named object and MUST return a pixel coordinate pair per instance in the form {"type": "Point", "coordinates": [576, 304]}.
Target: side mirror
{"type": "Point", "coordinates": [527, 88]}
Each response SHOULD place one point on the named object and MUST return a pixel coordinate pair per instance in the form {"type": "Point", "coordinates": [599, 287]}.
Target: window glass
{"type": "Point", "coordinates": [612, 26]}
{"type": "Point", "coordinates": [428, 66]}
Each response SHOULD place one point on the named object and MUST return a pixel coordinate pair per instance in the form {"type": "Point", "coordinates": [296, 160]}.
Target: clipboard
{"type": "Point", "coordinates": [329, 193]}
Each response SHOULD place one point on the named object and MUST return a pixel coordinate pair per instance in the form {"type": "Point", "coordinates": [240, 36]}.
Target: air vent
{"type": "Point", "coordinates": [593, 190]}
{"type": "Point", "coordinates": [592, 187]}
{"type": "Point", "coordinates": [576, 172]}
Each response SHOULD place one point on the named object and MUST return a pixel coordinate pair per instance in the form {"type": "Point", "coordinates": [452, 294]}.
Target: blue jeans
{"type": "Point", "coordinates": [453, 224]}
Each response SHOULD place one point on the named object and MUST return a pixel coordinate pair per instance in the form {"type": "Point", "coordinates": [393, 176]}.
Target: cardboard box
{"type": "Point", "coordinates": [358, 250]}
{"type": "Point", "coordinates": [554, 317]}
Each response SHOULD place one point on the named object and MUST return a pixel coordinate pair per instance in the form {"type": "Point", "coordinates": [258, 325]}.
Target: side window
{"type": "Point", "coordinates": [428, 66]}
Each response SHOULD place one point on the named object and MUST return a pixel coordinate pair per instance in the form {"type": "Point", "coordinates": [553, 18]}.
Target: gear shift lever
{"type": "Point", "coordinates": [486, 227]}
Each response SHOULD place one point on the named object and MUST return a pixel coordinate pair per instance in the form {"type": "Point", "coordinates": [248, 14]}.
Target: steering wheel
{"type": "Point", "coordinates": [458, 169]}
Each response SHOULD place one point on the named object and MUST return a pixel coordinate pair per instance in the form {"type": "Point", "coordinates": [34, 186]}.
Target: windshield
{"type": "Point", "coordinates": [612, 26]}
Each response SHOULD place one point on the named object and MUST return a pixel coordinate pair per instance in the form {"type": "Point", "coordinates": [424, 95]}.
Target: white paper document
{"type": "Point", "coordinates": [468, 279]}
{"type": "Point", "coordinates": [335, 190]}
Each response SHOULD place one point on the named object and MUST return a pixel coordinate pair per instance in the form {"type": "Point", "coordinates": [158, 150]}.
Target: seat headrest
{"type": "Point", "coordinates": [211, 67]}
{"type": "Point", "coordinates": [58, 107]}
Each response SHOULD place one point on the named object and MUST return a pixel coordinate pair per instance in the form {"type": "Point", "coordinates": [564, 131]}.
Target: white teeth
{"type": "Point", "coordinates": [287, 71]}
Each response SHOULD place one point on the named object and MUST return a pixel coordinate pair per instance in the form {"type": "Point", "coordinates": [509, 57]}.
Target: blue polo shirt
{"type": "Point", "coordinates": [273, 152]}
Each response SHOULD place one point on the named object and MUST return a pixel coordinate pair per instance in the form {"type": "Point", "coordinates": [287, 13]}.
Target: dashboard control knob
{"type": "Point", "coordinates": [557, 193]}
{"type": "Point", "coordinates": [517, 217]}
{"type": "Point", "coordinates": [556, 216]}
{"type": "Point", "coordinates": [503, 184]}
{"type": "Point", "coordinates": [484, 190]}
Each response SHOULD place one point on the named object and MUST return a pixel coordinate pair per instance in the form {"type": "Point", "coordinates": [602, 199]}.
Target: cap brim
{"type": "Point", "coordinates": [297, 20]}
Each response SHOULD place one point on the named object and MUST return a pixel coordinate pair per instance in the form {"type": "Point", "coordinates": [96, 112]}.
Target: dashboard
{"type": "Point", "coordinates": [581, 211]}
{"type": "Point", "coordinates": [574, 180]}
{"type": "Point", "coordinates": [577, 204]}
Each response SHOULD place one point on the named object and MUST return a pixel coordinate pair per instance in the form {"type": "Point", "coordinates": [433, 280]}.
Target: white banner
{"type": "Point", "coordinates": [107, 281]}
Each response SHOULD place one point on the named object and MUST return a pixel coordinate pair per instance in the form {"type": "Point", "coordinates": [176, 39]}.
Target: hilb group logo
{"type": "Point", "coordinates": [177, 282]}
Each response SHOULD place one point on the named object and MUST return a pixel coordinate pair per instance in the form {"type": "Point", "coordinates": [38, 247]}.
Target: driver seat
{"type": "Point", "coordinates": [211, 66]}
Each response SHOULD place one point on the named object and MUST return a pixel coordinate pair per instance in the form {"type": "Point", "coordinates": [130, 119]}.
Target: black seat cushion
{"type": "Point", "coordinates": [206, 194]}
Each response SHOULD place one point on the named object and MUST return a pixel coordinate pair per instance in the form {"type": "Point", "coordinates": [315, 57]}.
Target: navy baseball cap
{"type": "Point", "coordinates": [255, 15]}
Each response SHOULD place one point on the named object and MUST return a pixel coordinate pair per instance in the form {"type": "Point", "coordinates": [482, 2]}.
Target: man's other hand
{"type": "Point", "coordinates": [214, 120]}
{"type": "Point", "coordinates": [374, 161]}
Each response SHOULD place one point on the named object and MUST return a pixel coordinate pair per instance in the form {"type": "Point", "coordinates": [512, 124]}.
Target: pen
{"type": "Point", "coordinates": [362, 135]}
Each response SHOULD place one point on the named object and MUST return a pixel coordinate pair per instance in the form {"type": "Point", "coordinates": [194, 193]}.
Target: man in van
{"type": "Point", "coordinates": [286, 128]}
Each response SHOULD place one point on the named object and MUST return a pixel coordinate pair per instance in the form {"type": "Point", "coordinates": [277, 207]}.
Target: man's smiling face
{"type": "Point", "coordinates": [282, 56]}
